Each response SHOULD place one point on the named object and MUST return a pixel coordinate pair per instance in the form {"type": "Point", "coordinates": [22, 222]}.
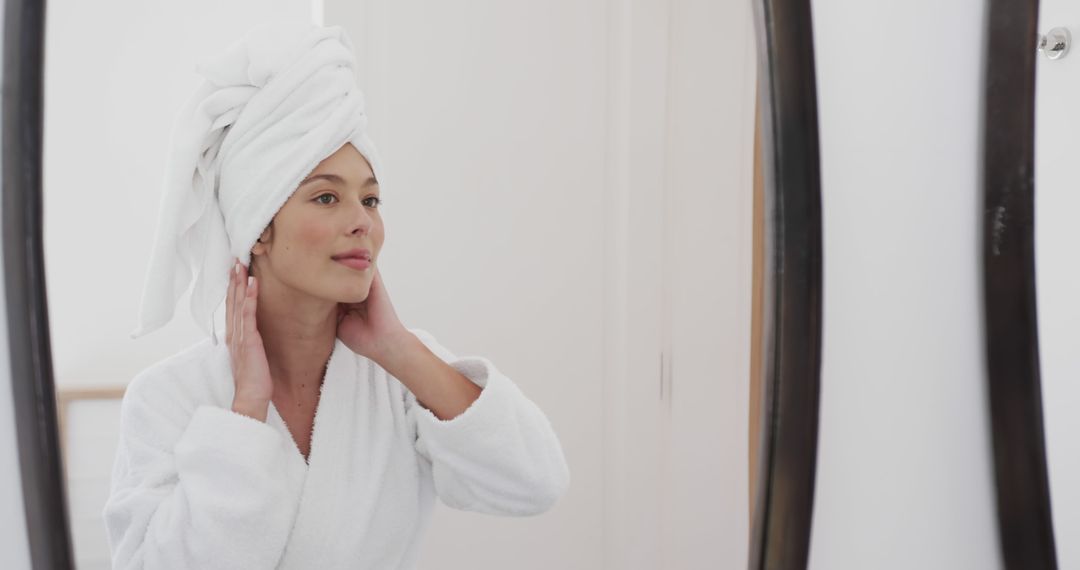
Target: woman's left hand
{"type": "Point", "coordinates": [371, 328]}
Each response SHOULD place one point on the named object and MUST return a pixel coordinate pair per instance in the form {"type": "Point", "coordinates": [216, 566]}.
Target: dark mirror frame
{"type": "Point", "coordinates": [33, 391]}
{"type": "Point", "coordinates": [1008, 254]}
{"type": "Point", "coordinates": [780, 537]}
{"type": "Point", "coordinates": [783, 513]}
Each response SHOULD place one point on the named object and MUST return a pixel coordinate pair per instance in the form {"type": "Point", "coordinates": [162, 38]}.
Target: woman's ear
{"type": "Point", "coordinates": [260, 246]}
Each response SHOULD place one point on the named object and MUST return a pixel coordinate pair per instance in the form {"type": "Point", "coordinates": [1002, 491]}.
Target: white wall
{"type": "Point", "coordinates": [904, 467]}
{"type": "Point", "coordinates": [1058, 277]}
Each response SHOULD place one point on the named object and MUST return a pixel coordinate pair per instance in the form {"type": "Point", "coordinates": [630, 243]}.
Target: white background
{"type": "Point", "coordinates": [1058, 282]}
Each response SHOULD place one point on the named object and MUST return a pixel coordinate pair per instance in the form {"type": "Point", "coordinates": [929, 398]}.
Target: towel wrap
{"type": "Point", "coordinates": [270, 108]}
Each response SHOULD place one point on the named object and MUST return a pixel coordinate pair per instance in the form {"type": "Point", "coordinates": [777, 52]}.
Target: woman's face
{"type": "Point", "coordinates": [334, 210]}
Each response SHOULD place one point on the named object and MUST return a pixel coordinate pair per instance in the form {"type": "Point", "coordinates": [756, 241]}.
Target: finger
{"type": "Point", "coordinates": [249, 308]}
{"type": "Point", "coordinates": [228, 301]}
{"type": "Point", "coordinates": [238, 302]}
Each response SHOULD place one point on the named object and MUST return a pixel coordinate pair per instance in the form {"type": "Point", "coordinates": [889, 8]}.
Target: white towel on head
{"type": "Point", "coordinates": [272, 106]}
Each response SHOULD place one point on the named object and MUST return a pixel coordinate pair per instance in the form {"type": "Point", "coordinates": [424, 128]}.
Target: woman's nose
{"type": "Point", "coordinates": [362, 218]}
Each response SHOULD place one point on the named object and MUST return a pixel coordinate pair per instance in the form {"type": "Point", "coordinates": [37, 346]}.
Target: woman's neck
{"type": "Point", "coordinates": [298, 336]}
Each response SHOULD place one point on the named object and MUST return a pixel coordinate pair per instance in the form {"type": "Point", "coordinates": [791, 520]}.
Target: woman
{"type": "Point", "coordinates": [319, 433]}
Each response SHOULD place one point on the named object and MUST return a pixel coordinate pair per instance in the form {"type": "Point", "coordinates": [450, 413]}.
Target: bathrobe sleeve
{"type": "Point", "coordinates": [500, 456]}
{"type": "Point", "coordinates": [200, 490]}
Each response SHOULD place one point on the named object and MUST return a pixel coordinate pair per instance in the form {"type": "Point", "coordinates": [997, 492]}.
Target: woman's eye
{"type": "Point", "coordinates": [375, 201]}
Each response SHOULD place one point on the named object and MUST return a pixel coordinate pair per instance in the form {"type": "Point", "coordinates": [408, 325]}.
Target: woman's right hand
{"type": "Point", "coordinates": [250, 369]}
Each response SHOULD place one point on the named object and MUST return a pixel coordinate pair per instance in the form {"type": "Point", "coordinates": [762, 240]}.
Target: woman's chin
{"type": "Point", "coordinates": [357, 296]}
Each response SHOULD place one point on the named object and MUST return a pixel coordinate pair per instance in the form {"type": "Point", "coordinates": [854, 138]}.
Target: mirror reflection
{"type": "Point", "coordinates": [383, 285]}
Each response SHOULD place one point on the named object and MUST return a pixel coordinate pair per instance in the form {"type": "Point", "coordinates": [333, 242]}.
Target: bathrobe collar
{"type": "Point", "coordinates": [342, 364]}
{"type": "Point", "coordinates": [330, 457]}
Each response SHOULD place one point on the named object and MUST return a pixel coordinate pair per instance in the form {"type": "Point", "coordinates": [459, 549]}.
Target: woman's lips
{"type": "Point", "coordinates": [354, 262]}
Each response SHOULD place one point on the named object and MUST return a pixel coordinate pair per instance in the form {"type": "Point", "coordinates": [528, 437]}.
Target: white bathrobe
{"type": "Point", "coordinates": [198, 486]}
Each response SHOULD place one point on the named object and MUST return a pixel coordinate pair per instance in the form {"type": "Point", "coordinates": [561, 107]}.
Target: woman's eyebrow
{"type": "Point", "coordinates": [337, 179]}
